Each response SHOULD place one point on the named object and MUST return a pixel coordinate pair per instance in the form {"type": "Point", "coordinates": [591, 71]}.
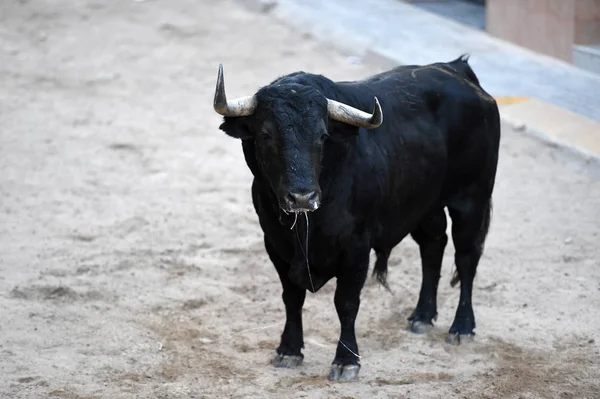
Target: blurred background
{"type": "Point", "coordinates": [131, 260]}
{"type": "Point", "coordinates": [568, 30]}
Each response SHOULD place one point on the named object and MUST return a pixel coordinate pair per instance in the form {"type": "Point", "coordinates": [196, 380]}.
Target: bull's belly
{"type": "Point", "coordinates": [391, 236]}
{"type": "Point", "coordinates": [399, 221]}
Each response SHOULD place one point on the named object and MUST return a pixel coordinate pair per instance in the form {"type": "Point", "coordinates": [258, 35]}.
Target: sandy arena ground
{"type": "Point", "coordinates": [132, 264]}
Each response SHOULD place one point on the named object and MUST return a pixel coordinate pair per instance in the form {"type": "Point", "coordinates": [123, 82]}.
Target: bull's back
{"type": "Point", "coordinates": [447, 96]}
{"type": "Point", "coordinates": [440, 136]}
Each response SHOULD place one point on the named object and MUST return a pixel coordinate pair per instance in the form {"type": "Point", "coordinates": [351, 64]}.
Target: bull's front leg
{"type": "Point", "coordinates": [351, 279]}
{"type": "Point", "coordinates": [289, 352]}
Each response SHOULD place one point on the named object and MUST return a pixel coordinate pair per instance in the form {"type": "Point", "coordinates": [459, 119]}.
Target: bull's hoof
{"type": "Point", "coordinates": [344, 373]}
{"type": "Point", "coordinates": [421, 320]}
{"type": "Point", "coordinates": [420, 327]}
{"type": "Point", "coordinates": [286, 361]}
{"type": "Point", "coordinates": [459, 339]}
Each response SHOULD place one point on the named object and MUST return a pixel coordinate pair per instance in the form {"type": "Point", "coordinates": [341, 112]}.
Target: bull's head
{"type": "Point", "coordinates": [288, 123]}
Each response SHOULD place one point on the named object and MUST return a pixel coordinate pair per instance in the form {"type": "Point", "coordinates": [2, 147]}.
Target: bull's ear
{"type": "Point", "coordinates": [236, 128]}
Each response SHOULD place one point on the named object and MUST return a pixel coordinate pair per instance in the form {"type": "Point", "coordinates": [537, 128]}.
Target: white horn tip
{"type": "Point", "coordinates": [377, 118]}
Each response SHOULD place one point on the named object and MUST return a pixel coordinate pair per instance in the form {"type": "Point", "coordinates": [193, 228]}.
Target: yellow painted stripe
{"type": "Point", "coordinates": [504, 100]}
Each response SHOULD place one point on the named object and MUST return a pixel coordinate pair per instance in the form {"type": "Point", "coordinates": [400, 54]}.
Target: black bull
{"type": "Point", "coordinates": [331, 182]}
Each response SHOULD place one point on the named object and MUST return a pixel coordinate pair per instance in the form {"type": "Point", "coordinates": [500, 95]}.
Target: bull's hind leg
{"type": "Point", "coordinates": [470, 223]}
{"type": "Point", "coordinates": [289, 352]}
{"type": "Point", "coordinates": [432, 239]}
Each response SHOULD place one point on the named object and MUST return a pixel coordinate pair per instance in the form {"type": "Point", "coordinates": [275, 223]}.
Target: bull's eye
{"type": "Point", "coordinates": [265, 136]}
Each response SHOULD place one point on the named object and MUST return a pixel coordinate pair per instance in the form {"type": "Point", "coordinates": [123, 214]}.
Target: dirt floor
{"type": "Point", "coordinates": [132, 264]}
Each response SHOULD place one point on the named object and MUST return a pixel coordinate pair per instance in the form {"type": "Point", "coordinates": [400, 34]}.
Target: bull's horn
{"type": "Point", "coordinates": [345, 113]}
{"type": "Point", "coordinates": [239, 107]}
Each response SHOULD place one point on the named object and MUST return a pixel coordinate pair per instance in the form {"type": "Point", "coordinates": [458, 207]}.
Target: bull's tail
{"type": "Point", "coordinates": [461, 65]}
{"type": "Point", "coordinates": [381, 267]}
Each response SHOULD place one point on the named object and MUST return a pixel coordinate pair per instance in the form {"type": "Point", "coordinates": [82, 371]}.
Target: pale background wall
{"type": "Point", "coordinates": [551, 27]}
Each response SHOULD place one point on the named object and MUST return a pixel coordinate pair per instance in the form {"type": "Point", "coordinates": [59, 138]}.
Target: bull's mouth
{"type": "Point", "coordinates": [296, 212]}
{"type": "Point", "coordinates": [289, 210]}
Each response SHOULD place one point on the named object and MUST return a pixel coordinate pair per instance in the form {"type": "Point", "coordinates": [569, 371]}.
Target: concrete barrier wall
{"type": "Point", "coordinates": [550, 27]}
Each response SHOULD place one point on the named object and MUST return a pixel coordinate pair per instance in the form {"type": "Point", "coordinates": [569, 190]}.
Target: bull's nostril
{"type": "Point", "coordinates": [291, 198]}
{"type": "Point", "coordinates": [303, 200]}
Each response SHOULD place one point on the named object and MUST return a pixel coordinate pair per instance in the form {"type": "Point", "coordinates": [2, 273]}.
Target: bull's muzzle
{"type": "Point", "coordinates": [302, 201]}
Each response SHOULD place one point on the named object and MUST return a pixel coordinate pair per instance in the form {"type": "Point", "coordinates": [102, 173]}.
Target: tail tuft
{"type": "Point", "coordinates": [381, 268]}
{"type": "Point", "coordinates": [455, 279]}
{"type": "Point", "coordinates": [464, 57]}
{"type": "Point", "coordinates": [461, 65]}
